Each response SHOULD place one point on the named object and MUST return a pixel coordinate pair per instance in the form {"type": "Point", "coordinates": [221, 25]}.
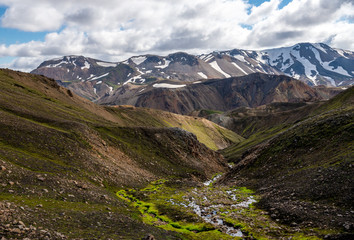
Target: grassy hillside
{"type": "Point", "coordinates": [305, 172]}
{"type": "Point", "coordinates": [207, 132]}
{"type": "Point", "coordinates": [260, 124]}
{"type": "Point", "coordinates": [63, 158]}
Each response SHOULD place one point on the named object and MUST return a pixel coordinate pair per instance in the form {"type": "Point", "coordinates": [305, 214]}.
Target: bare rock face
{"type": "Point", "coordinates": [219, 94]}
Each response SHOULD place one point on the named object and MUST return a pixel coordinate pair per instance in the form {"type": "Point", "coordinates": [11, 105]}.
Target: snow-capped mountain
{"type": "Point", "coordinates": [88, 77]}
{"type": "Point", "coordinates": [314, 64]}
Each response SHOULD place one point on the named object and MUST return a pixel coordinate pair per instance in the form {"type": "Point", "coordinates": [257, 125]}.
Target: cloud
{"type": "Point", "coordinates": [302, 21]}
{"type": "Point", "coordinates": [117, 29]}
{"type": "Point", "coordinates": [33, 17]}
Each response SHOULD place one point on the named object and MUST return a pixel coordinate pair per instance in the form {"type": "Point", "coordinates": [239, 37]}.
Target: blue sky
{"type": "Point", "coordinates": [259, 2]}
{"type": "Point", "coordinates": [33, 31]}
{"type": "Point", "coordinates": [12, 36]}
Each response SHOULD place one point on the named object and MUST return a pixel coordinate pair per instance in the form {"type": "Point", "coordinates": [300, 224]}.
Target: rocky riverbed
{"type": "Point", "coordinates": [205, 211]}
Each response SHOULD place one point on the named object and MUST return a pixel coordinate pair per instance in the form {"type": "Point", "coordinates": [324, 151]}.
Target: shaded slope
{"type": "Point", "coordinates": [62, 159]}
{"type": "Point", "coordinates": [218, 94]}
{"type": "Point", "coordinates": [248, 121]}
{"type": "Point", "coordinates": [55, 124]}
{"type": "Point", "coordinates": [305, 173]}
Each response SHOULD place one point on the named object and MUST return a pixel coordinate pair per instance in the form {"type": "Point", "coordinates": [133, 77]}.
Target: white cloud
{"type": "Point", "coordinates": [302, 21]}
{"type": "Point", "coordinates": [116, 29]}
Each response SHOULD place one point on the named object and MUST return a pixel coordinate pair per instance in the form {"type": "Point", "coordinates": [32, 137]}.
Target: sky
{"type": "Point", "coordinates": [114, 30]}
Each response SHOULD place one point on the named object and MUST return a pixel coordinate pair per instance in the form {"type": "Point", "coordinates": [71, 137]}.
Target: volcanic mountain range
{"type": "Point", "coordinates": [314, 64]}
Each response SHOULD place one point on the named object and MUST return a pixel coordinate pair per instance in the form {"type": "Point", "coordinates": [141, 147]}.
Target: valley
{"type": "Point", "coordinates": [177, 120]}
{"type": "Point", "coordinates": [276, 163]}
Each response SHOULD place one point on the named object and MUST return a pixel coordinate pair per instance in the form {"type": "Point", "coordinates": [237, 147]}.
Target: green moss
{"type": "Point", "coordinates": [151, 215]}
{"type": "Point", "coordinates": [245, 190]}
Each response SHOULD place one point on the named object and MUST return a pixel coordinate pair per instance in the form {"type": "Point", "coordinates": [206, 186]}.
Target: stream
{"type": "Point", "coordinates": [199, 203]}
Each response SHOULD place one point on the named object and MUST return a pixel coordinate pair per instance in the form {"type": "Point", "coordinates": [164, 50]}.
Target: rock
{"type": "Point", "coordinates": [16, 230]}
{"type": "Point", "coordinates": [40, 178]}
{"type": "Point", "coordinates": [2, 168]}
{"type": "Point", "coordinates": [45, 190]}
{"type": "Point", "coordinates": [11, 183]}
{"type": "Point", "coordinates": [149, 237]}
{"type": "Point", "coordinates": [39, 205]}
{"type": "Point", "coordinates": [293, 224]}
{"type": "Point", "coordinates": [21, 223]}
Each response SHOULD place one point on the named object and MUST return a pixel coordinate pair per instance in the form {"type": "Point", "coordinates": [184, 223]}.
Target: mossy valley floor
{"type": "Point", "coordinates": [210, 212]}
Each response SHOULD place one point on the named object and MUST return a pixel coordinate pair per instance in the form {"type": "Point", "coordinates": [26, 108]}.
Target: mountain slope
{"type": "Point", "coordinates": [207, 132]}
{"type": "Point", "coordinates": [313, 63]}
{"type": "Point", "coordinates": [63, 158]}
{"type": "Point", "coordinates": [225, 94]}
{"type": "Point", "coordinates": [305, 172]}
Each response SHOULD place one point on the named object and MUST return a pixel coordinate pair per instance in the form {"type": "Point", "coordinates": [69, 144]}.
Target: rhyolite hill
{"type": "Point", "coordinates": [63, 158]}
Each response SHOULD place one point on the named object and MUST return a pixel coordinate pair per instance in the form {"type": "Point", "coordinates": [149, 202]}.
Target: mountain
{"type": "Point", "coordinates": [87, 77]}
{"type": "Point", "coordinates": [314, 64]}
{"type": "Point", "coordinates": [300, 161]}
{"type": "Point", "coordinates": [94, 79]}
{"type": "Point", "coordinates": [217, 94]}
{"type": "Point", "coordinates": [63, 159]}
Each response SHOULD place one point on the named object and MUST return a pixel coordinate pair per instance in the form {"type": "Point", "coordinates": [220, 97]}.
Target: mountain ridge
{"type": "Point", "coordinates": [314, 64]}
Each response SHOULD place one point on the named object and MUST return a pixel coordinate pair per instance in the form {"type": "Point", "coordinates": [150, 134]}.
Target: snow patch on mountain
{"type": "Point", "coordinates": [282, 55]}
{"type": "Point", "coordinates": [240, 58]}
{"type": "Point", "coordinates": [215, 65]}
{"type": "Point", "coordinates": [135, 79]}
{"type": "Point", "coordinates": [338, 69]}
{"type": "Point", "coordinates": [238, 67]}
{"type": "Point", "coordinates": [319, 47]}
{"type": "Point", "coordinates": [168, 85]}
{"type": "Point", "coordinates": [138, 60]}
{"type": "Point", "coordinates": [95, 78]}
{"type": "Point", "coordinates": [165, 65]}
{"type": "Point", "coordinates": [206, 57]}
{"type": "Point", "coordinates": [202, 75]}
{"type": "Point", "coordinates": [106, 64]}
{"type": "Point", "coordinates": [310, 69]}
{"type": "Point", "coordinates": [57, 64]}
{"type": "Point", "coordinates": [86, 66]}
